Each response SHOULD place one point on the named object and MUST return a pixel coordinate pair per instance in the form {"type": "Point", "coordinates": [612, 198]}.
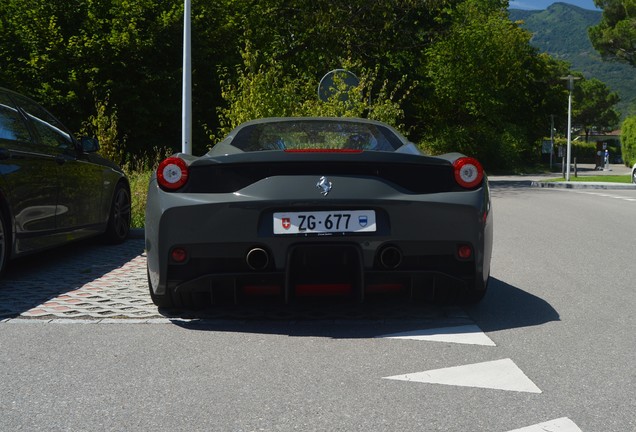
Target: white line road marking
{"type": "Point", "coordinates": [466, 334]}
{"type": "Point", "coordinates": [499, 375]}
{"type": "Point", "coordinates": [563, 424]}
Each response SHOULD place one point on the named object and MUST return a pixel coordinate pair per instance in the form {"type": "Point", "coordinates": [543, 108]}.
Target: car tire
{"type": "Point", "coordinates": [634, 176]}
{"type": "Point", "coordinates": [162, 301]}
{"type": "Point", "coordinates": [5, 243]}
{"type": "Point", "coordinates": [118, 226]}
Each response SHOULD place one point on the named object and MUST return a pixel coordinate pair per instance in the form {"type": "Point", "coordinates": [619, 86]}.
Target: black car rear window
{"type": "Point", "coordinates": [315, 134]}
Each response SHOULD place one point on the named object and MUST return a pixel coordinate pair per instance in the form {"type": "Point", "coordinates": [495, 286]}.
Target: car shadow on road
{"type": "Point", "coordinates": [504, 307]}
{"type": "Point", "coordinates": [36, 279]}
{"type": "Point", "coordinates": [507, 307]}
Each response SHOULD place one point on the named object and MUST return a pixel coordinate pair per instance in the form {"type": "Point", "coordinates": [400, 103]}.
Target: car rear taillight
{"type": "Point", "coordinates": [468, 172]}
{"type": "Point", "coordinates": [172, 173]}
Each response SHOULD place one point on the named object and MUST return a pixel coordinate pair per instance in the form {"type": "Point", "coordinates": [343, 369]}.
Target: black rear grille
{"type": "Point", "coordinates": [408, 178]}
{"type": "Point", "coordinates": [332, 271]}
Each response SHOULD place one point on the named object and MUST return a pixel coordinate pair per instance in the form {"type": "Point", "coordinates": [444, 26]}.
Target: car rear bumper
{"type": "Point", "coordinates": [233, 255]}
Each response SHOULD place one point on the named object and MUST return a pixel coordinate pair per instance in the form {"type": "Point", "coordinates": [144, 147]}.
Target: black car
{"type": "Point", "coordinates": [317, 207]}
{"type": "Point", "coordinates": [53, 188]}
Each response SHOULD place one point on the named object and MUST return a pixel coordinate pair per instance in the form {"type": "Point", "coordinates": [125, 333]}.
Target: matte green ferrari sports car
{"type": "Point", "coordinates": [287, 209]}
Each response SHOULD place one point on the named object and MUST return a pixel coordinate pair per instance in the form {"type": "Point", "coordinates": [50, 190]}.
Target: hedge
{"type": "Point", "coordinates": [628, 140]}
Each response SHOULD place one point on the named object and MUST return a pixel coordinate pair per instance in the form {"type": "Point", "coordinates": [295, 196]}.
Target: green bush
{"type": "Point", "coordinates": [498, 149]}
{"type": "Point", "coordinates": [139, 192]}
{"type": "Point", "coordinates": [585, 152]}
{"type": "Point", "coordinates": [628, 140]}
{"type": "Point", "coordinates": [139, 170]}
{"type": "Point", "coordinates": [103, 126]}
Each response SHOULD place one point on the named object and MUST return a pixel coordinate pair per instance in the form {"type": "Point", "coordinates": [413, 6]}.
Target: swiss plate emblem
{"type": "Point", "coordinates": [286, 222]}
{"type": "Point", "coordinates": [363, 221]}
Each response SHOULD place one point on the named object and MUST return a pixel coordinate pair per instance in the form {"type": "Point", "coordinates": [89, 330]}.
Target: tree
{"type": "Point", "coordinates": [628, 140]}
{"type": "Point", "coordinates": [71, 55]}
{"type": "Point", "coordinates": [593, 106]}
{"type": "Point", "coordinates": [307, 38]}
{"type": "Point", "coordinates": [480, 89]}
{"type": "Point", "coordinates": [615, 36]}
{"type": "Point", "coordinates": [313, 35]}
{"type": "Point", "coordinates": [492, 91]}
{"type": "Point", "coordinates": [615, 39]}
{"type": "Point", "coordinates": [266, 91]}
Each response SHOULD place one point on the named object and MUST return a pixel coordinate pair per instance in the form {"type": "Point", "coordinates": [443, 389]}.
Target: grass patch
{"type": "Point", "coordinates": [139, 193]}
{"type": "Point", "coordinates": [139, 170]}
{"type": "Point", "coordinates": [597, 178]}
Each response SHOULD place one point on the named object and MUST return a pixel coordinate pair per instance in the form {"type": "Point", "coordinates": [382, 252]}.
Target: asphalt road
{"type": "Point", "coordinates": [551, 348]}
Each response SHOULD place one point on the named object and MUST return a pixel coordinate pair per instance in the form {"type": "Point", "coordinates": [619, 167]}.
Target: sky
{"type": "Point", "coordinates": [543, 4]}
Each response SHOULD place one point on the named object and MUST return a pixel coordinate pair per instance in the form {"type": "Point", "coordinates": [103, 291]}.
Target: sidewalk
{"type": "Point", "coordinates": [583, 170]}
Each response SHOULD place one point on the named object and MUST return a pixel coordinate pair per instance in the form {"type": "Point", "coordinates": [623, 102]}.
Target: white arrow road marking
{"type": "Point", "coordinates": [499, 374]}
{"type": "Point", "coordinates": [563, 424]}
{"type": "Point", "coordinates": [466, 334]}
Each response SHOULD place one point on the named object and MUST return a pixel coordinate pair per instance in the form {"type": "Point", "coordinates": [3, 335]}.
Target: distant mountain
{"type": "Point", "coordinates": [561, 31]}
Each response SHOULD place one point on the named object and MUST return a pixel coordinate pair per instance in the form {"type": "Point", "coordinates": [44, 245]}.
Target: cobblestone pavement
{"type": "Point", "coordinates": [86, 280]}
{"type": "Point", "coordinates": [91, 282]}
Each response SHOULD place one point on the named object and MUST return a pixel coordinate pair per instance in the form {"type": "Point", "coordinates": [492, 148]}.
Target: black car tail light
{"type": "Point", "coordinates": [172, 173]}
{"type": "Point", "coordinates": [468, 172]}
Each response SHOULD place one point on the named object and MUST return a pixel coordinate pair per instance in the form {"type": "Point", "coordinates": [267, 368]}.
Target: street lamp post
{"type": "Point", "coordinates": [186, 100]}
{"type": "Point", "coordinates": [570, 78]}
{"type": "Point", "coordinates": [551, 139]}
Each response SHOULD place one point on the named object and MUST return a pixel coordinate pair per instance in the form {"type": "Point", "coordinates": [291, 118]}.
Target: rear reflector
{"type": "Point", "coordinates": [323, 289]}
{"type": "Point", "coordinates": [179, 255]}
{"type": "Point", "coordinates": [464, 251]}
{"type": "Point", "coordinates": [384, 288]}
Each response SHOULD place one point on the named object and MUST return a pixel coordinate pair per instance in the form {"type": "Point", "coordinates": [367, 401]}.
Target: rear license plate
{"type": "Point", "coordinates": [318, 222]}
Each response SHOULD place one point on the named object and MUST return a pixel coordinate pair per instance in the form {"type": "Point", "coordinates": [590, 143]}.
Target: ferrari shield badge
{"type": "Point", "coordinates": [324, 185]}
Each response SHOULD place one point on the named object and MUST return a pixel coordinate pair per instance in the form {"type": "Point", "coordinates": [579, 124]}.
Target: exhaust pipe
{"type": "Point", "coordinates": [390, 257]}
{"type": "Point", "coordinates": [257, 259]}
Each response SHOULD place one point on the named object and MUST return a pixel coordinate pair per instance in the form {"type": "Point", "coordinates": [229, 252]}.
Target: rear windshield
{"type": "Point", "coordinates": [316, 134]}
